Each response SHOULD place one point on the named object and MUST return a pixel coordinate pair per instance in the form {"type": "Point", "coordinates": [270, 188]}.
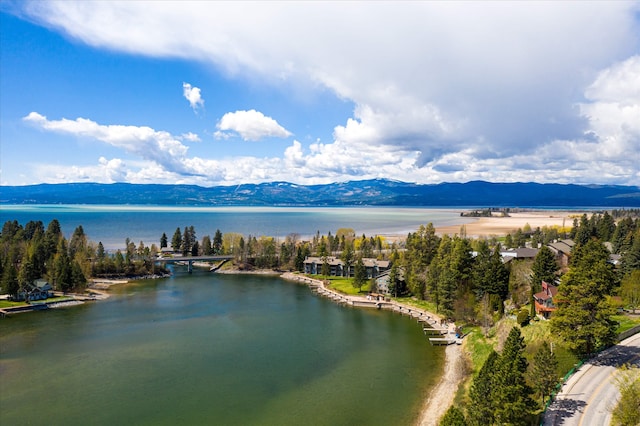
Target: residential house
{"type": "Point", "coordinates": [518, 253]}
{"type": "Point", "coordinates": [544, 300]}
{"type": "Point", "coordinates": [382, 281]}
{"type": "Point", "coordinates": [374, 267]}
{"type": "Point", "coordinates": [38, 290]}
{"type": "Point", "coordinates": [562, 249]}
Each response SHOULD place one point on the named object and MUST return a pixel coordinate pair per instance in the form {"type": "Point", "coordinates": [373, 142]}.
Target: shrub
{"type": "Point", "coordinates": [523, 317]}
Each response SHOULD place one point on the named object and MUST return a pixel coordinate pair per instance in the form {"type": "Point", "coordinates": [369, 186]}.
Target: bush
{"type": "Point", "coordinates": [523, 317]}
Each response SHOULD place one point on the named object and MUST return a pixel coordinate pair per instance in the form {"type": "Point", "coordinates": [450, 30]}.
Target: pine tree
{"type": "Point", "coordinates": [217, 242]}
{"type": "Point", "coordinates": [360, 274]}
{"type": "Point", "coordinates": [583, 318]}
{"type": "Point", "coordinates": [10, 280]}
{"type": "Point", "coordinates": [544, 268]}
{"type": "Point", "coordinates": [453, 417]}
{"type": "Point", "coordinates": [176, 241]}
{"type": "Point", "coordinates": [480, 411]}
{"type": "Point", "coordinates": [543, 373]}
{"type": "Point", "coordinates": [513, 403]}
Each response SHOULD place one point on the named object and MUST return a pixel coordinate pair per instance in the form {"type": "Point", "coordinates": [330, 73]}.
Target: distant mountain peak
{"type": "Point", "coordinates": [373, 192]}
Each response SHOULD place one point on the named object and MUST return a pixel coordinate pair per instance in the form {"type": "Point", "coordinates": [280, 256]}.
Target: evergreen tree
{"type": "Point", "coordinates": [62, 271]}
{"type": "Point", "coordinates": [176, 241]}
{"type": "Point", "coordinates": [394, 280]}
{"type": "Point", "coordinates": [584, 231]}
{"type": "Point", "coordinates": [78, 242]}
{"type": "Point", "coordinates": [544, 268]}
{"type": "Point", "coordinates": [583, 317]}
{"type": "Point", "coordinates": [630, 260]}
{"type": "Point", "coordinates": [187, 241]}
{"type": "Point", "coordinates": [302, 253]}
{"type": "Point", "coordinates": [78, 279]}
{"type": "Point", "coordinates": [348, 257]}
{"type": "Point", "coordinates": [10, 283]}
{"type": "Point", "coordinates": [623, 229]}
{"type": "Point", "coordinates": [480, 411]}
{"type": "Point", "coordinates": [360, 274]}
{"type": "Point", "coordinates": [422, 247]}
{"type": "Point", "coordinates": [101, 252]}
{"type": "Point", "coordinates": [163, 241]}
{"type": "Point", "coordinates": [195, 249]}
{"type": "Point", "coordinates": [513, 403]}
{"type": "Point", "coordinates": [217, 242]}
{"type": "Point", "coordinates": [453, 417]}
{"type": "Point", "coordinates": [606, 227]}
{"type": "Point", "coordinates": [543, 373]}
{"type": "Point", "coordinates": [438, 277]}
{"type": "Point", "coordinates": [207, 248]}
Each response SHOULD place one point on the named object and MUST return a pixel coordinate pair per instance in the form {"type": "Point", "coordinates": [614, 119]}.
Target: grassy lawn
{"type": "Point", "coordinates": [420, 304]}
{"type": "Point", "coordinates": [10, 304]}
{"type": "Point", "coordinates": [625, 322]}
{"type": "Point", "coordinates": [345, 286]}
{"type": "Point", "coordinates": [479, 347]}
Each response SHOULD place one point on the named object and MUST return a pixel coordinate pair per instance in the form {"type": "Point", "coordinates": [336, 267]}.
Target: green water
{"type": "Point", "coordinates": [215, 350]}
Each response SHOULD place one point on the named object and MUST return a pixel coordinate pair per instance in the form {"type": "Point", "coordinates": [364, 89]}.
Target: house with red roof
{"type": "Point", "coordinates": [544, 300]}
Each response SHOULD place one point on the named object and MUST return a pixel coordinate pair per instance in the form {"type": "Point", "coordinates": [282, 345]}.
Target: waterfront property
{"type": "Point", "coordinates": [337, 267]}
{"type": "Point", "coordinates": [37, 290]}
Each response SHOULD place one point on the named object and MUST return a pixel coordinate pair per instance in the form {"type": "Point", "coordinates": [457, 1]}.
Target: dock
{"type": "Point", "coordinates": [439, 341]}
{"type": "Point", "coordinates": [440, 332]}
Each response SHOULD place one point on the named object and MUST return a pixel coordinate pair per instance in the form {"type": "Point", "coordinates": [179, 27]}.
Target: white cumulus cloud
{"type": "Point", "coordinates": [192, 94]}
{"type": "Point", "coordinates": [251, 125]}
{"type": "Point", "coordinates": [157, 146]}
{"type": "Point", "coordinates": [543, 91]}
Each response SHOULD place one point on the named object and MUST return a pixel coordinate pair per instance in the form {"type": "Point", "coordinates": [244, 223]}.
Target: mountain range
{"type": "Point", "coordinates": [377, 192]}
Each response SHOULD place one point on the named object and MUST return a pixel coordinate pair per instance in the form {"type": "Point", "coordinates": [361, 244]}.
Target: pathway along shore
{"type": "Point", "coordinates": [442, 395]}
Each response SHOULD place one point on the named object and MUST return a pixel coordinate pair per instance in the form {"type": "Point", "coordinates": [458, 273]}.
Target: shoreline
{"type": "Point", "coordinates": [497, 226]}
{"type": "Point", "coordinates": [443, 393]}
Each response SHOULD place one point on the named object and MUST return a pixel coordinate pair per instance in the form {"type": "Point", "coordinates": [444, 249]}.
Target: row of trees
{"type": "Point", "coordinates": [503, 391]}
{"type": "Point", "coordinates": [445, 271]}
{"type": "Point", "coordinates": [31, 252]}
{"type": "Point", "coordinates": [269, 252]}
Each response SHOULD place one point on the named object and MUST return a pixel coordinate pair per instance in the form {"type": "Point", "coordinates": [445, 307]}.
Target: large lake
{"type": "Point", "coordinates": [113, 224]}
{"type": "Point", "coordinates": [209, 349]}
{"type": "Point", "coordinates": [216, 349]}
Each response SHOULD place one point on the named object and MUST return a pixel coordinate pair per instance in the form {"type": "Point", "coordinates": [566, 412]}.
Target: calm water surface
{"type": "Point", "coordinates": [113, 224]}
{"type": "Point", "coordinates": [213, 349]}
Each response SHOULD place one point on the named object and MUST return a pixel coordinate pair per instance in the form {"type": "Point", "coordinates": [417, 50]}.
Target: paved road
{"type": "Point", "coordinates": [589, 395]}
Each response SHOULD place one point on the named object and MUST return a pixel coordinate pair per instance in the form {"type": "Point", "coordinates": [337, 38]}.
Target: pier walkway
{"type": "Point", "coordinates": [433, 325]}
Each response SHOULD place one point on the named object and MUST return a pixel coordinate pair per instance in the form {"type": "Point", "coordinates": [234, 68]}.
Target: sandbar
{"type": "Point", "coordinates": [497, 225]}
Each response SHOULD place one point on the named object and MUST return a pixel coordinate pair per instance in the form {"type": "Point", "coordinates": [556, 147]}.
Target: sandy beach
{"type": "Point", "coordinates": [495, 225]}
{"type": "Point", "coordinates": [441, 397]}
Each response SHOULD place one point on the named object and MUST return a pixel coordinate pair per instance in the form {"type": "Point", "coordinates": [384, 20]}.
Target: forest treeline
{"type": "Point", "coordinates": [466, 279]}
{"type": "Point", "coordinates": [31, 252]}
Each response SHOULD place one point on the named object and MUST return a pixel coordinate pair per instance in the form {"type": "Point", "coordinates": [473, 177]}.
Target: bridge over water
{"type": "Point", "coordinates": [190, 259]}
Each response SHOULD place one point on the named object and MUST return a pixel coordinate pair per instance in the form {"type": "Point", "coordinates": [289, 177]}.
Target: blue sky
{"type": "Point", "coordinates": [221, 93]}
